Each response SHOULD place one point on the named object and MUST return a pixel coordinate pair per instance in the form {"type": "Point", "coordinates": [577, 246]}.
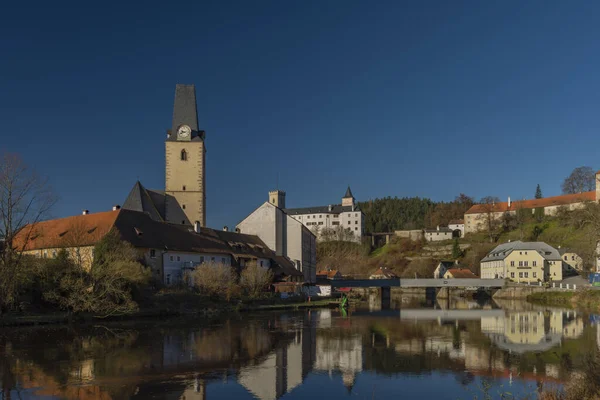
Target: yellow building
{"type": "Point", "coordinates": [523, 262]}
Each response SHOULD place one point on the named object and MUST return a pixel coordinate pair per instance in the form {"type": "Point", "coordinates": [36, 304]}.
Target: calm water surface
{"type": "Point", "coordinates": [464, 352]}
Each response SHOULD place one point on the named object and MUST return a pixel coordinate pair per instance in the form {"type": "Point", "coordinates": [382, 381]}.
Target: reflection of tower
{"type": "Point", "coordinates": [348, 378]}
{"type": "Point", "coordinates": [200, 389]}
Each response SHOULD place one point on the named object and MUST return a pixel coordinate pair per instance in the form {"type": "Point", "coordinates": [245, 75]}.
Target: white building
{"type": "Point", "coordinates": [335, 221]}
{"type": "Point", "coordinates": [458, 227]}
{"type": "Point", "coordinates": [283, 234]}
{"type": "Point", "coordinates": [438, 234]}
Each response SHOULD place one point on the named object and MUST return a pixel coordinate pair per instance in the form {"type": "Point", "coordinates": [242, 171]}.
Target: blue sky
{"type": "Point", "coordinates": [394, 98]}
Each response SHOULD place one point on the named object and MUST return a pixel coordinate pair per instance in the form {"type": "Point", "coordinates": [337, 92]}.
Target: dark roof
{"type": "Point", "coordinates": [144, 200]}
{"type": "Point", "coordinates": [348, 194]}
{"type": "Point", "coordinates": [284, 266]}
{"type": "Point", "coordinates": [335, 209]}
{"type": "Point", "coordinates": [185, 111]}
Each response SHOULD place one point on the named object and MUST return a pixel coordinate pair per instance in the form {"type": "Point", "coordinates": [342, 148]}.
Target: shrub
{"type": "Point", "coordinates": [216, 280]}
{"type": "Point", "coordinates": [254, 279]}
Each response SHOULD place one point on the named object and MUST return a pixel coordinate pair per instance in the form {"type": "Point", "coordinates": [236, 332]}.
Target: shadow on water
{"type": "Point", "coordinates": [518, 348]}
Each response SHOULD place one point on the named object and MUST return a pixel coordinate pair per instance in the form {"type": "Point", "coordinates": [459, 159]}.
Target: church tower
{"type": "Point", "coordinates": [185, 188]}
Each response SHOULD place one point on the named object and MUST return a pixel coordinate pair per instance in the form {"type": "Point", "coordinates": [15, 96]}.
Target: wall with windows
{"type": "Point", "coordinates": [316, 222]}
{"type": "Point", "coordinates": [493, 270]}
{"type": "Point", "coordinates": [525, 266]}
{"type": "Point", "coordinates": [175, 263]}
{"type": "Point", "coordinates": [83, 256]}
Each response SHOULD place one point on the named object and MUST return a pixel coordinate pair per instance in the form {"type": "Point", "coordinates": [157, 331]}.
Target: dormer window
{"type": "Point", "coordinates": [183, 155]}
{"type": "Point", "coordinates": [183, 188]}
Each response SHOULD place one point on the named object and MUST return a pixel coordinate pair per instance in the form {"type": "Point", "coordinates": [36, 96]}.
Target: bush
{"type": "Point", "coordinates": [216, 280]}
{"type": "Point", "coordinates": [255, 279]}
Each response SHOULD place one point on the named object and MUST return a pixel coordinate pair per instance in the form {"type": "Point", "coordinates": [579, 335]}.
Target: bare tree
{"type": "Point", "coordinates": [25, 198]}
{"type": "Point", "coordinates": [490, 208]}
{"type": "Point", "coordinates": [254, 279]}
{"type": "Point", "coordinates": [582, 179]}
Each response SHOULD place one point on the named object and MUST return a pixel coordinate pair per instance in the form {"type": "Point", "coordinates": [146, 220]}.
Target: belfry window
{"type": "Point", "coordinates": [183, 155]}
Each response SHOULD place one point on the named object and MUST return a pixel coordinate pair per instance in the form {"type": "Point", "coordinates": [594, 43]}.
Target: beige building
{"type": "Point", "coordinates": [571, 259]}
{"type": "Point", "coordinates": [478, 217]}
{"type": "Point", "coordinates": [283, 234]}
{"type": "Point", "coordinates": [523, 262]}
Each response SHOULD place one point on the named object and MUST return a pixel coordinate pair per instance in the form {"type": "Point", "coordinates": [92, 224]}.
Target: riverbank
{"type": "Point", "coordinates": [586, 299]}
{"type": "Point", "coordinates": [202, 308]}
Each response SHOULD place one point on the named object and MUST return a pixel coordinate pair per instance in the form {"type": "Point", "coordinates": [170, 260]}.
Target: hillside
{"type": "Point", "coordinates": [407, 258]}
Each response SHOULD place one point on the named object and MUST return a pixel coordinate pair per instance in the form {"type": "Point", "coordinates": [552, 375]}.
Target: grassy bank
{"type": "Point", "coordinates": [587, 299]}
{"type": "Point", "coordinates": [166, 305]}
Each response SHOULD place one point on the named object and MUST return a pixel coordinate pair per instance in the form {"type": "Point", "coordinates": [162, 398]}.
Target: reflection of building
{"type": "Point", "coordinates": [283, 369]}
{"type": "Point", "coordinates": [521, 332]}
{"type": "Point", "coordinates": [343, 354]}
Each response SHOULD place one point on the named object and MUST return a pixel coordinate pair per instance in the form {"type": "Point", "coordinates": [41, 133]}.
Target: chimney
{"type": "Point", "coordinates": [237, 230]}
{"type": "Point", "coordinates": [438, 227]}
{"type": "Point", "coordinates": [509, 202]}
{"type": "Point", "coordinates": [197, 226]}
{"type": "Point", "coordinates": [225, 229]}
{"type": "Point", "coordinates": [116, 207]}
{"type": "Point", "coordinates": [330, 208]}
{"type": "Point", "coordinates": [85, 212]}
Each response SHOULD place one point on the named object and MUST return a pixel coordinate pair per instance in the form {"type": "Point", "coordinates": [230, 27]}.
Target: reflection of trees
{"type": "Point", "coordinates": [104, 362]}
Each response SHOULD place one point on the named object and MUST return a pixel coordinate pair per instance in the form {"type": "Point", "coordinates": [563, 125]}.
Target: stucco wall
{"type": "Point", "coordinates": [83, 256]}
{"type": "Point", "coordinates": [189, 173]}
{"type": "Point", "coordinates": [525, 266]}
{"type": "Point", "coordinates": [262, 224]}
{"type": "Point", "coordinates": [174, 262]}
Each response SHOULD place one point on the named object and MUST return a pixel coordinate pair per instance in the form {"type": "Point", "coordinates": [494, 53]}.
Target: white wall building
{"type": "Point", "coordinates": [175, 264]}
{"type": "Point", "coordinates": [326, 221]}
{"type": "Point", "coordinates": [457, 225]}
{"type": "Point", "coordinates": [438, 234]}
{"type": "Point", "coordinates": [283, 234]}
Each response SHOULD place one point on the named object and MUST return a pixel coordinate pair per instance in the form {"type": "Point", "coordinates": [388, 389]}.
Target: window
{"type": "Point", "coordinates": [356, 215]}
{"type": "Point", "coordinates": [261, 263]}
{"type": "Point", "coordinates": [152, 253]}
{"type": "Point", "coordinates": [327, 215]}
{"type": "Point", "coordinates": [212, 259]}
{"type": "Point", "coordinates": [572, 258]}
{"type": "Point", "coordinates": [308, 216]}
{"type": "Point", "coordinates": [182, 222]}
{"type": "Point", "coordinates": [535, 274]}
{"type": "Point", "coordinates": [534, 263]}
{"type": "Point", "coordinates": [520, 263]}
{"type": "Point", "coordinates": [183, 155]}
{"type": "Point", "coordinates": [525, 253]}
{"type": "Point", "coordinates": [521, 253]}
{"type": "Point", "coordinates": [222, 260]}
{"type": "Point", "coordinates": [520, 274]}
{"type": "Point", "coordinates": [512, 274]}
{"type": "Point", "coordinates": [355, 229]}
{"type": "Point", "coordinates": [566, 258]}
{"type": "Point", "coordinates": [526, 274]}
{"type": "Point", "coordinates": [178, 258]}
{"type": "Point", "coordinates": [201, 259]}
{"type": "Point", "coordinates": [320, 223]}
{"type": "Point", "coordinates": [314, 216]}
{"type": "Point", "coordinates": [53, 253]}
{"type": "Point", "coordinates": [512, 263]}
{"type": "Point", "coordinates": [335, 222]}
{"type": "Point", "coordinates": [320, 215]}
{"type": "Point", "coordinates": [171, 258]}
{"type": "Point", "coordinates": [183, 188]}
{"type": "Point", "coordinates": [356, 222]}
{"type": "Point", "coordinates": [348, 222]}
{"type": "Point", "coordinates": [183, 206]}
{"type": "Point", "coordinates": [168, 279]}
{"type": "Point", "coordinates": [526, 263]}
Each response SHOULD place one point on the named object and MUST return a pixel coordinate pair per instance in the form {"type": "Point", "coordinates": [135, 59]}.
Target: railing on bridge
{"type": "Point", "coordinates": [419, 283]}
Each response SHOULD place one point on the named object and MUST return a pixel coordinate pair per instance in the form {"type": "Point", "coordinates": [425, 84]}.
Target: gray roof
{"type": "Point", "coordinates": [348, 194]}
{"type": "Point", "coordinates": [335, 209]}
{"type": "Point", "coordinates": [442, 229]}
{"type": "Point", "coordinates": [503, 250]}
{"type": "Point", "coordinates": [151, 202]}
{"type": "Point", "coordinates": [185, 111]}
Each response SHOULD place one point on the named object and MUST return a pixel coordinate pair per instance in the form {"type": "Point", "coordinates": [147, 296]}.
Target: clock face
{"type": "Point", "coordinates": [184, 131]}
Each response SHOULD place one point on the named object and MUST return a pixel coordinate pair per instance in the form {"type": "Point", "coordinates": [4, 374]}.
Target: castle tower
{"type": "Point", "coordinates": [185, 184]}
{"type": "Point", "coordinates": [348, 199]}
{"type": "Point", "coordinates": [277, 198]}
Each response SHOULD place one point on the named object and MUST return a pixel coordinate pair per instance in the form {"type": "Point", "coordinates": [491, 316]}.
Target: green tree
{"type": "Point", "coordinates": [456, 250]}
{"type": "Point", "coordinates": [538, 214]}
{"type": "Point", "coordinates": [538, 192]}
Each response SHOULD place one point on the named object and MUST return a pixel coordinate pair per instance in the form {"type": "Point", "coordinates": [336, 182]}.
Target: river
{"type": "Point", "coordinates": [461, 350]}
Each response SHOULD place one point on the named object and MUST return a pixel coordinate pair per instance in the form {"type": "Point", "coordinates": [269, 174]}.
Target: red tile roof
{"type": "Point", "coordinates": [384, 272]}
{"type": "Point", "coordinates": [330, 274]}
{"type": "Point", "coordinates": [459, 273]}
{"type": "Point", "coordinates": [76, 231]}
{"type": "Point", "coordinates": [534, 203]}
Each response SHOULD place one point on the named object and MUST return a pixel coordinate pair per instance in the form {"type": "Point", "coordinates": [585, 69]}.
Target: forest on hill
{"type": "Point", "coordinates": [392, 213]}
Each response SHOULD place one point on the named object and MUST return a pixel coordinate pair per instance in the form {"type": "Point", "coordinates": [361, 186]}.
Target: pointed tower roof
{"type": "Point", "coordinates": [348, 194]}
{"type": "Point", "coordinates": [185, 111]}
{"type": "Point", "coordinates": [143, 200]}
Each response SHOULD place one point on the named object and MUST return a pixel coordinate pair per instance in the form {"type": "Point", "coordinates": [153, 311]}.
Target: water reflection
{"type": "Point", "coordinates": [301, 355]}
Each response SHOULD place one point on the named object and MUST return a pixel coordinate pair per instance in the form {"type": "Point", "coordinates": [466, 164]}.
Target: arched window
{"type": "Point", "coordinates": [183, 155]}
